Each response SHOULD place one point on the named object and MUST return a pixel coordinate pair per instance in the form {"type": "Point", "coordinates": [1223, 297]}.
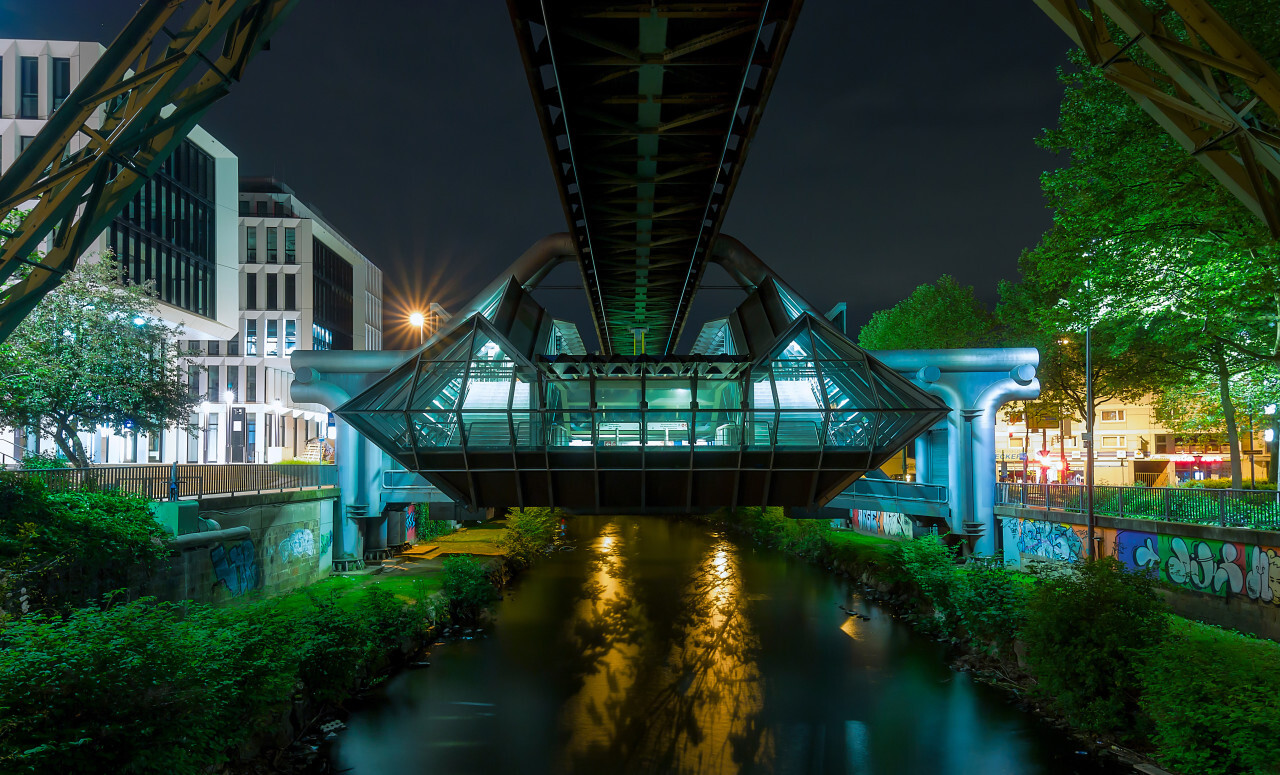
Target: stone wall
{"type": "Point", "coordinates": [289, 546]}
{"type": "Point", "coordinates": [1224, 576]}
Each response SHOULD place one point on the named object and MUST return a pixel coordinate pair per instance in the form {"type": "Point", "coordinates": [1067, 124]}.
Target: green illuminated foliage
{"type": "Point", "coordinates": [934, 317]}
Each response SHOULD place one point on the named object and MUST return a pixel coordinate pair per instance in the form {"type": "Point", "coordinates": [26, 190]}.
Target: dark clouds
{"type": "Point", "coordinates": [897, 145]}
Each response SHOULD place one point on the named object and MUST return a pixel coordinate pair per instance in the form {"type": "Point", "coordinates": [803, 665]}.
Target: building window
{"type": "Point", "coordinates": [290, 336]}
{"type": "Point", "coordinates": [273, 286]}
{"type": "Point", "coordinates": [251, 383]}
{"type": "Point", "coordinates": [251, 436]}
{"type": "Point", "coordinates": [251, 290]}
{"type": "Point", "coordinates": [272, 246]}
{"type": "Point", "coordinates": [290, 292]}
{"type": "Point", "coordinates": [29, 87]}
{"type": "Point", "coordinates": [290, 245]}
{"type": "Point", "coordinates": [251, 245]}
{"type": "Point", "coordinates": [233, 382]}
{"type": "Point", "coordinates": [1113, 415]}
{"type": "Point", "coordinates": [251, 337]}
{"type": "Point", "coordinates": [261, 207]}
{"type": "Point", "coordinates": [193, 438]}
{"type": "Point", "coordinates": [193, 380]}
{"type": "Point", "coordinates": [212, 393]}
{"type": "Point", "coordinates": [273, 338]}
{"type": "Point", "coordinates": [24, 141]}
{"type": "Point", "coordinates": [155, 447]}
{"type": "Point", "coordinates": [61, 81]}
{"type": "Point", "coordinates": [214, 348]}
{"type": "Point", "coordinates": [321, 338]}
{"type": "Point", "coordinates": [244, 207]}
{"type": "Point", "coordinates": [233, 345]}
{"type": "Point", "coordinates": [332, 297]}
{"type": "Point", "coordinates": [1114, 442]}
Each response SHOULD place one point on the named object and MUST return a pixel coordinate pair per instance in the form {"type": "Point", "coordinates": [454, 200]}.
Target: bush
{"type": "Point", "coordinates": [527, 533]}
{"type": "Point", "coordinates": [805, 538]}
{"type": "Point", "coordinates": [466, 587]}
{"type": "Point", "coordinates": [991, 605]}
{"type": "Point", "coordinates": [66, 548]}
{"type": "Point", "coordinates": [1212, 697]}
{"type": "Point", "coordinates": [148, 687]}
{"type": "Point", "coordinates": [931, 565]}
{"type": "Point", "coordinates": [43, 461]}
{"type": "Point", "coordinates": [1087, 631]}
{"type": "Point", "coordinates": [138, 688]}
{"type": "Point", "coordinates": [1225, 484]}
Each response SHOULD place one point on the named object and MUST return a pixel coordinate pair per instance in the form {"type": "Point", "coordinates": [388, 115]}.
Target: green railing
{"type": "Point", "coordinates": [181, 480]}
{"type": "Point", "coordinates": [1258, 509]}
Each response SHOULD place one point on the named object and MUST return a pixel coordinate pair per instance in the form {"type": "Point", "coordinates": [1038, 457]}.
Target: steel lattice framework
{"type": "Point", "coordinates": [647, 110]}
{"type": "Point", "coordinates": [1209, 89]}
{"type": "Point", "coordinates": [134, 107]}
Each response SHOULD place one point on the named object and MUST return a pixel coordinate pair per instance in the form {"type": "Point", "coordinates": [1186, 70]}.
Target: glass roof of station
{"type": "Point", "coordinates": [473, 390]}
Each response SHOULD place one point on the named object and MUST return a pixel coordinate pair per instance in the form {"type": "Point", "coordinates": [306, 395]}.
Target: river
{"type": "Point", "coordinates": [665, 646]}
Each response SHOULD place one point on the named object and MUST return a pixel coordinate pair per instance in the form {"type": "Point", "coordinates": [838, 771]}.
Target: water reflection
{"type": "Point", "coordinates": [690, 703]}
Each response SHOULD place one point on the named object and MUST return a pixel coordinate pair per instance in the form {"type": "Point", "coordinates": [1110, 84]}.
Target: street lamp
{"type": "Point", "coordinates": [419, 321]}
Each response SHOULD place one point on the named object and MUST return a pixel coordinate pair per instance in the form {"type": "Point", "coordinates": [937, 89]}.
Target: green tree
{"type": "Point", "coordinates": [93, 354]}
{"type": "Point", "coordinates": [941, 316]}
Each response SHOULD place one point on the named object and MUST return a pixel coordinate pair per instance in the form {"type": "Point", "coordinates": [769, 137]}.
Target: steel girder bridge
{"type": "Point", "coordinates": [647, 110]}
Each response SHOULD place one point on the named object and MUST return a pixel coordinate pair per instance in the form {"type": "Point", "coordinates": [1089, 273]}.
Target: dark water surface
{"type": "Point", "coordinates": [662, 646]}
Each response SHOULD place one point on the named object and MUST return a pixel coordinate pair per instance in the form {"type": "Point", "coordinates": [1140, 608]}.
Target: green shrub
{"type": "Point", "coordinates": [466, 587]}
{"type": "Point", "coordinates": [931, 565]}
{"type": "Point", "coordinates": [43, 461]}
{"type": "Point", "coordinates": [142, 687]}
{"type": "Point", "coordinates": [102, 538]}
{"type": "Point", "coordinates": [1087, 631]}
{"type": "Point", "coordinates": [528, 532]}
{"type": "Point", "coordinates": [991, 605]}
{"type": "Point", "coordinates": [1225, 484]}
{"type": "Point", "coordinates": [805, 538]}
{"type": "Point", "coordinates": [1212, 697]}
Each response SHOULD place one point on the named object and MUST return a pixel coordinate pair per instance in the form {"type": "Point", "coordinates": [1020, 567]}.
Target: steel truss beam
{"type": "Point", "coordinates": [173, 60]}
{"type": "Point", "coordinates": [1212, 90]}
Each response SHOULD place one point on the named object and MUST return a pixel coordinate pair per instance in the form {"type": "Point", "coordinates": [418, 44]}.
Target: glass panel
{"type": "Point", "coordinates": [569, 416]}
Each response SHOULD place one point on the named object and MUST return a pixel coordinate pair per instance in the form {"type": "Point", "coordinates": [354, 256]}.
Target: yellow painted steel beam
{"type": "Point", "coordinates": [1207, 89]}
{"type": "Point", "coordinates": [137, 103]}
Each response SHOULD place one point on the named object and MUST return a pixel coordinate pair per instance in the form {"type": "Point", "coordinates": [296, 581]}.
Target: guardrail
{"type": "Point", "coordinates": [189, 480]}
{"type": "Point", "coordinates": [899, 490]}
{"type": "Point", "coordinates": [1259, 509]}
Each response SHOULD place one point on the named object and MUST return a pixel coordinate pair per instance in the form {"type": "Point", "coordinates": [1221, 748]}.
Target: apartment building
{"type": "Point", "coordinates": [1132, 447]}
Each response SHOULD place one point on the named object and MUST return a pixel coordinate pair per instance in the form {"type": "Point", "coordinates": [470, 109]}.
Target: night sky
{"type": "Point", "coordinates": [897, 144]}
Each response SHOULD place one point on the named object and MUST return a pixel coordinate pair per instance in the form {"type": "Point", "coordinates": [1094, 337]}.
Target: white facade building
{"type": "Point", "coordinates": [248, 277]}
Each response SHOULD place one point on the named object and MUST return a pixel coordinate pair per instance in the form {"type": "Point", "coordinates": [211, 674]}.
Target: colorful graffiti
{"type": "Point", "coordinates": [1046, 540]}
{"type": "Point", "coordinates": [300, 543]}
{"type": "Point", "coordinates": [1205, 565]}
{"type": "Point", "coordinates": [326, 541]}
{"type": "Point", "coordinates": [236, 568]}
{"type": "Point", "coordinates": [884, 523]}
{"type": "Point", "coordinates": [411, 524]}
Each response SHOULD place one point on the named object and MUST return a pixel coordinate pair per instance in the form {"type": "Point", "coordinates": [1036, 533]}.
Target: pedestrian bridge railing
{"type": "Point", "coordinates": [190, 480]}
{"type": "Point", "coordinates": [1259, 509]}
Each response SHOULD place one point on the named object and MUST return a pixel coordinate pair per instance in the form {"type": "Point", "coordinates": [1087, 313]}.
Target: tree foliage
{"type": "Point", "coordinates": [93, 354]}
{"type": "Point", "coordinates": [934, 317]}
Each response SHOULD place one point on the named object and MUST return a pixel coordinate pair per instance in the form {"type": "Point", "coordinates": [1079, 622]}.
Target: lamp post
{"type": "Point", "coordinates": [419, 321]}
{"type": "Point", "coordinates": [1088, 437]}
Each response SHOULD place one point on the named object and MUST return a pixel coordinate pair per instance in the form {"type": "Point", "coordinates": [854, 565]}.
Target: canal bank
{"type": "Point", "coordinates": [661, 645]}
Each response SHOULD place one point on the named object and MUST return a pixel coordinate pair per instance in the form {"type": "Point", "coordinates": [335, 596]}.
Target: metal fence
{"type": "Point", "coordinates": [177, 481]}
{"type": "Point", "coordinates": [1259, 509]}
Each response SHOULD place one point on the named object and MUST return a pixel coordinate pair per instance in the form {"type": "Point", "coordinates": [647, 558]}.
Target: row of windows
{"type": "Point", "coordinates": [272, 344]}
{"type": "Point", "coordinates": [273, 245]}
{"type": "Point", "coordinates": [180, 278]}
{"type": "Point", "coordinates": [332, 295]}
{"type": "Point", "coordinates": [29, 84]}
{"type": "Point", "coordinates": [271, 298]}
{"type": "Point", "coordinates": [266, 209]}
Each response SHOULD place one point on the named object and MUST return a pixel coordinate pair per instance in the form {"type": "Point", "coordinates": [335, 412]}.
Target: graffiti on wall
{"type": "Point", "coordinates": [1046, 540]}
{"type": "Point", "coordinates": [300, 543]}
{"type": "Point", "coordinates": [235, 568]}
{"type": "Point", "coordinates": [1205, 565]}
{"type": "Point", "coordinates": [884, 523]}
{"type": "Point", "coordinates": [411, 523]}
{"type": "Point", "coordinates": [326, 541]}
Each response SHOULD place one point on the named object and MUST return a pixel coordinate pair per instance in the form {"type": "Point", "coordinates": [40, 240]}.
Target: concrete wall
{"type": "Point", "coordinates": [1225, 576]}
{"type": "Point", "coordinates": [289, 546]}
{"type": "Point", "coordinates": [885, 524]}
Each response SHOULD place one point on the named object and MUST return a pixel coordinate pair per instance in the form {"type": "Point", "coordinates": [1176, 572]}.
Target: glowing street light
{"type": "Point", "coordinates": [419, 321]}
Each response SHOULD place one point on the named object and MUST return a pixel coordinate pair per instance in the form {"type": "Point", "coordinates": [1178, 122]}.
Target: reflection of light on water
{"type": "Point", "coordinates": [606, 539]}
{"type": "Point", "coordinates": [850, 628]}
